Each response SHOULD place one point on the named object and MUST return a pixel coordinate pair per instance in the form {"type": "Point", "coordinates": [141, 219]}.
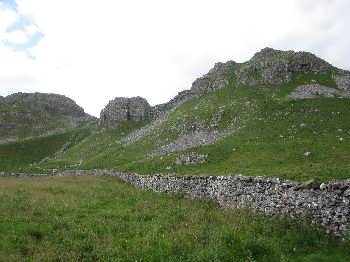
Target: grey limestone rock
{"type": "Point", "coordinates": [216, 78]}
{"type": "Point", "coordinates": [270, 66]}
{"type": "Point", "coordinates": [191, 158]}
{"type": "Point", "coordinates": [316, 90]}
{"type": "Point", "coordinates": [123, 109]}
{"type": "Point", "coordinates": [191, 140]}
{"type": "Point", "coordinates": [343, 80]}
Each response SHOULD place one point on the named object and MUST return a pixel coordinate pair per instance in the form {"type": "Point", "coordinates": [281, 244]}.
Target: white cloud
{"type": "Point", "coordinates": [93, 51]}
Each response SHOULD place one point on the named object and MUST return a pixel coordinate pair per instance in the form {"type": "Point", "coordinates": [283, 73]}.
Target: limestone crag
{"type": "Point", "coordinates": [180, 98]}
{"type": "Point", "coordinates": [123, 109]}
{"type": "Point", "coordinates": [270, 66]}
{"type": "Point", "coordinates": [316, 90]}
{"type": "Point", "coordinates": [216, 78]}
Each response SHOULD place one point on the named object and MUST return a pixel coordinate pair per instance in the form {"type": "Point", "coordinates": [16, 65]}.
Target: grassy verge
{"type": "Point", "coordinates": [99, 218]}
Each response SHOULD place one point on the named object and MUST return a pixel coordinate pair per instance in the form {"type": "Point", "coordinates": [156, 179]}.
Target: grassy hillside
{"type": "Point", "coordinates": [22, 155]}
{"type": "Point", "coordinates": [272, 135]}
{"type": "Point", "coordinates": [99, 218]}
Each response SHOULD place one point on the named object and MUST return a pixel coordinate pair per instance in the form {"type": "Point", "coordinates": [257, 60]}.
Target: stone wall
{"type": "Point", "coordinates": [326, 204]}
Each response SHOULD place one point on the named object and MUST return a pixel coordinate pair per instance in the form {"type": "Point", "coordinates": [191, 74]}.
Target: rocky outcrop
{"type": "Point", "coordinates": [216, 78]}
{"type": "Point", "coordinates": [197, 138]}
{"type": "Point", "coordinates": [191, 158]}
{"type": "Point", "coordinates": [343, 80]}
{"type": "Point", "coordinates": [327, 205]}
{"type": "Point", "coordinates": [270, 66]}
{"type": "Point", "coordinates": [180, 98]}
{"type": "Point", "coordinates": [123, 109]}
{"type": "Point", "coordinates": [316, 90]}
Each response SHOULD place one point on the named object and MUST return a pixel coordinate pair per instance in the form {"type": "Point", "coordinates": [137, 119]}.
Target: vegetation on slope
{"type": "Point", "coordinates": [272, 136]}
{"type": "Point", "coordinates": [98, 218]}
{"type": "Point", "coordinates": [22, 155]}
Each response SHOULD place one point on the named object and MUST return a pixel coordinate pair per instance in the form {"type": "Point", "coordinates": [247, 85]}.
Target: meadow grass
{"type": "Point", "coordinates": [100, 218]}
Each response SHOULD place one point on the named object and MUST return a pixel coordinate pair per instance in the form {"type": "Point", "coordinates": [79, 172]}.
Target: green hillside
{"type": "Point", "coordinates": [20, 156]}
{"type": "Point", "coordinates": [259, 128]}
{"type": "Point", "coordinates": [271, 137]}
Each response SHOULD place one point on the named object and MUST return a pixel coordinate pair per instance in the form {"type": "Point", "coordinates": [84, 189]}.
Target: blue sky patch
{"type": "Point", "coordinates": [10, 4]}
{"type": "Point", "coordinates": [21, 24]}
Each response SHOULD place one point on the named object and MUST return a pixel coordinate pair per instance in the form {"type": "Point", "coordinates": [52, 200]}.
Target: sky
{"type": "Point", "coordinates": [93, 51]}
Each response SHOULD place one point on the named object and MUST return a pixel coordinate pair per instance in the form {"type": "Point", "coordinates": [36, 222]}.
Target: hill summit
{"type": "Point", "coordinates": [266, 67]}
{"type": "Point", "coordinates": [32, 114]}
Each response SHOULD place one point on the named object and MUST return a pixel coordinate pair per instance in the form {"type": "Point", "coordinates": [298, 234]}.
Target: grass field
{"type": "Point", "coordinates": [99, 218]}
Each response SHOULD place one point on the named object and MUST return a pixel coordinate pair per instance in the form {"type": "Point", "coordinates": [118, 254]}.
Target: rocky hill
{"type": "Point", "coordinates": [31, 114]}
{"type": "Point", "coordinates": [282, 113]}
{"type": "Point", "coordinates": [267, 67]}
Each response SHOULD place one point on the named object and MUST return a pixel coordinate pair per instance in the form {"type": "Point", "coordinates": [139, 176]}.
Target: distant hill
{"type": "Point", "coordinates": [31, 114]}
{"type": "Point", "coordinates": [282, 113]}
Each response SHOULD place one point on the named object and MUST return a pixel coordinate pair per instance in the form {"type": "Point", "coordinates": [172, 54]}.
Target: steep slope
{"type": "Point", "coordinates": [30, 114]}
{"type": "Point", "coordinates": [282, 113]}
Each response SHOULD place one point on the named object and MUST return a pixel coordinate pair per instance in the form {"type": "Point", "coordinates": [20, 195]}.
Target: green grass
{"type": "Point", "coordinates": [96, 151]}
{"type": "Point", "coordinates": [99, 218]}
{"type": "Point", "coordinates": [21, 155]}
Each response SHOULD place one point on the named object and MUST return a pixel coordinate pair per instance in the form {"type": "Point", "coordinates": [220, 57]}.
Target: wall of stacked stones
{"type": "Point", "coordinates": [327, 205]}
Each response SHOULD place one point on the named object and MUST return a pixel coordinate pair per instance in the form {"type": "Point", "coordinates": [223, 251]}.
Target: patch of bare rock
{"type": "Point", "coordinates": [191, 140]}
{"type": "Point", "coordinates": [191, 158]}
{"type": "Point", "coordinates": [317, 90]}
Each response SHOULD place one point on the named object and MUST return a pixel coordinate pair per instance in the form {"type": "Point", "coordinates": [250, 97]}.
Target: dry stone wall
{"type": "Point", "coordinates": [327, 204]}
